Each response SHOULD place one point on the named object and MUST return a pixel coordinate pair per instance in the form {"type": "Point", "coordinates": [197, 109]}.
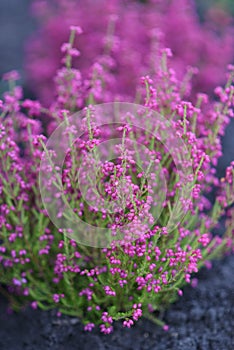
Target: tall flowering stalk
{"type": "Point", "coordinates": [138, 274]}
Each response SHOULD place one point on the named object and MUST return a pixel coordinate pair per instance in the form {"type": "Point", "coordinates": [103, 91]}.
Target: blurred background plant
{"type": "Point", "coordinates": [132, 32]}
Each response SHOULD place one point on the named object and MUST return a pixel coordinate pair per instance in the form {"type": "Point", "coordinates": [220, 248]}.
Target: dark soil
{"type": "Point", "coordinates": [203, 319]}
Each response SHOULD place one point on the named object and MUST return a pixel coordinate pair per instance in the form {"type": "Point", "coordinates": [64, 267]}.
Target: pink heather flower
{"type": "Point", "coordinates": [106, 318]}
{"type": "Point", "coordinates": [208, 264]}
{"type": "Point", "coordinates": [61, 244]}
{"type": "Point", "coordinates": [57, 297]}
{"type": "Point", "coordinates": [78, 30]}
{"type": "Point", "coordinates": [16, 282]}
{"type": "Point", "coordinates": [34, 305]}
{"type": "Point", "coordinates": [166, 328]}
{"type": "Point", "coordinates": [66, 47]}
{"type": "Point", "coordinates": [128, 323]}
{"type": "Point", "coordinates": [137, 314]}
{"type": "Point", "coordinates": [229, 172]}
{"type": "Point", "coordinates": [196, 190]}
{"type": "Point", "coordinates": [167, 51]}
{"type": "Point", "coordinates": [164, 231]}
{"type": "Point", "coordinates": [2, 249]}
{"type": "Point", "coordinates": [194, 282]}
{"type": "Point", "coordinates": [106, 329]}
{"type": "Point", "coordinates": [89, 327]}
{"type": "Point", "coordinates": [203, 98]}
{"type": "Point", "coordinates": [109, 291]}
{"type": "Point", "coordinates": [205, 239]}
{"type": "Point", "coordinates": [150, 308]}
{"type": "Point", "coordinates": [34, 107]}
{"type": "Point", "coordinates": [26, 292]}
{"type": "Point", "coordinates": [87, 292]}
{"type": "Point", "coordinates": [12, 75]}
{"type": "Point", "coordinates": [74, 52]}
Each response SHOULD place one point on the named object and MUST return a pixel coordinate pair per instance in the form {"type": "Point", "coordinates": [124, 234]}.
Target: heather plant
{"type": "Point", "coordinates": [104, 213]}
{"type": "Point", "coordinates": [126, 35]}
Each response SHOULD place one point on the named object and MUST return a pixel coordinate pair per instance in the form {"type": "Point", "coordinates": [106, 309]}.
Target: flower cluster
{"type": "Point", "coordinates": [144, 267]}
{"type": "Point", "coordinates": [126, 36]}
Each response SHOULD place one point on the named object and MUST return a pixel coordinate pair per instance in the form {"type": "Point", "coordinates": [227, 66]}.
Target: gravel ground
{"type": "Point", "coordinates": [203, 319]}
